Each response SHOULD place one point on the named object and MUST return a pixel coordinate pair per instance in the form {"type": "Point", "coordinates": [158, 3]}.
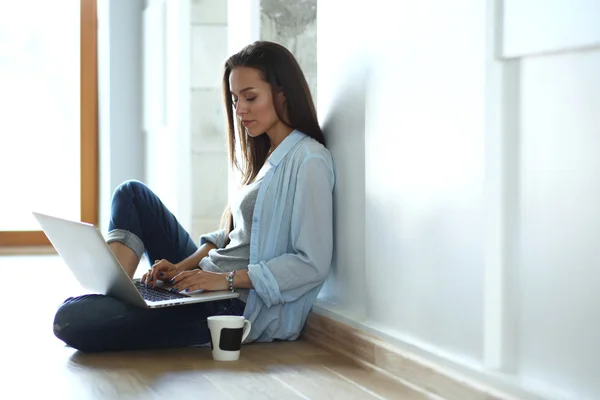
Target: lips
{"type": "Point", "coordinates": [246, 123]}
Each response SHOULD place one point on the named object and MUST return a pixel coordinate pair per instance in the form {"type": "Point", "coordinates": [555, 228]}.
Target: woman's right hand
{"type": "Point", "coordinates": [162, 270]}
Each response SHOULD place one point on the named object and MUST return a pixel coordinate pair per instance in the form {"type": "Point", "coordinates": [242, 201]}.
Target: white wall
{"type": "Point", "coordinates": [144, 100]}
{"type": "Point", "coordinates": [557, 261]}
{"type": "Point", "coordinates": [556, 266]}
{"type": "Point", "coordinates": [467, 199]}
{"type": "Point", "coordinates": [209, 151]}
{"type": "Point", "coordinates": [120, 98]}
{"type": "Point", "coordinates": [427, 241]}
{"type": "Point", "coordinates": [405, 125]}
{"type": "Point", "coordinates": [561, 25]}
{"type": "Point", "coordinates": [342, 71]}
{"type": "Point", "coordinates": [167, 128]}
{"type": "Point", "coordinates": [243, 17]}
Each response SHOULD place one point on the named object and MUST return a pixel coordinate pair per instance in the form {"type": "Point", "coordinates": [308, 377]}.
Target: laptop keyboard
{"type": "Point", "coordinates": [157, 294]}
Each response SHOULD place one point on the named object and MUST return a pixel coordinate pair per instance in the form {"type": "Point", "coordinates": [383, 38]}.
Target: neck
{"type": "Point", "coordinates": [278, 133]}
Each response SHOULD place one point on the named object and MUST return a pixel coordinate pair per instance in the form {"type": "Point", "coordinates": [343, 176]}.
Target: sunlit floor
{"type": "Point", "coordinates": [37, 365]}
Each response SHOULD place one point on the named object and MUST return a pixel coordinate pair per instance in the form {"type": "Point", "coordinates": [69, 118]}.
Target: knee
{"type": "Point", "coordinates": [72, 324]}
{"type": "Point", "coordinates": [66, 326]}
{"type": "Point", "coordinates": [129, 189]}
{"type": "Point", "coordinates": [128, 193]}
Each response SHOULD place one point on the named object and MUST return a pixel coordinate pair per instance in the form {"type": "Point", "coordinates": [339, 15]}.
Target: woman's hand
{"type": "Point", "coordinates": [198, 279]}
{"type": "Point", "coordinates": [162, 270]}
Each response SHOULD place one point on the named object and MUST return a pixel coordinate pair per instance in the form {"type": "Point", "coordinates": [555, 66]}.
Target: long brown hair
{"type": "Point", "coordinates": [279, 68]}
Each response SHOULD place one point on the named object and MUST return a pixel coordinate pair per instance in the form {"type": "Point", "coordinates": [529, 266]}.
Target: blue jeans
{"type": "Point", "coordinates": [94, 323]}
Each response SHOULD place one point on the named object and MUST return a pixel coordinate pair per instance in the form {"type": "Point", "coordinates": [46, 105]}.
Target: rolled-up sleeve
{"type": "Point", "coordinates": [217, 238]}
{"type": "Point", "coordinates": [289, 276]}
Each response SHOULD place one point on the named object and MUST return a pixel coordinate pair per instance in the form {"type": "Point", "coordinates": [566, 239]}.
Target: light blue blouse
{"type": "Point", "coordinates": [291, 242]}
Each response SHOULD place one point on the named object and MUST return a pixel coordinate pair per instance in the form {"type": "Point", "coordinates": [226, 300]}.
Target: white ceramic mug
{"type": "Point", "coordinates": [227, 332]}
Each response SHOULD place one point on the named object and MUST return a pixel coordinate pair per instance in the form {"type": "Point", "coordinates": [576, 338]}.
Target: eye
{"type": "Point", "coordinates": [250, 98]}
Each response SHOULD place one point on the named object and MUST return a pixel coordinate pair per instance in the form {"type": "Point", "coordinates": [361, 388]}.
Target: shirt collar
{"type": "Point", "coordinates": [284, 147]}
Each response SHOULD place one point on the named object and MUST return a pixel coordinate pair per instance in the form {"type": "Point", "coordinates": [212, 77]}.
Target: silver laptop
{"type": "Point", "coordinates": [93, 263]}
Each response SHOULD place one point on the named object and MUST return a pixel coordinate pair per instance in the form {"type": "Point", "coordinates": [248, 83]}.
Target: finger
{"type": "Point", "coordinates": [181, 284]}
{"type": "Point", "coordinates": [162, 271]}
{"type": "Point", "coordinates": [158, 271]}
{"type": "Point", "coordinates": [189, 280]}
{"type": "Point", "coordinates": [154, 266]}
{"type": "Point", "coordinates": [151, 278]}
{"type": "Point", "coordinates": [193, 288]}
{"type": "Point", "coordinates": [155, 272]}
{"type": "Point", "coordinates": [155, 275]}
{"type": "Point", "coordinates": [182, 275]}
{"type": "Point", "coordinates": [144, 278]}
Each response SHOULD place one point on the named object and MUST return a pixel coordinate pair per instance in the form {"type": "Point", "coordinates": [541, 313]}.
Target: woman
{"type": "Point", "coordinates": [275, 248]}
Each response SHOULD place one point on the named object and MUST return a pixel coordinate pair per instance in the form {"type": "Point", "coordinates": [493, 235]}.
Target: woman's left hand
{"type": "Point", "coordinates": [198, 279]}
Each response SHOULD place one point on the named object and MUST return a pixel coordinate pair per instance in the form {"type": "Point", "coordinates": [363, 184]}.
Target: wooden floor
{"type": "Point", "coordinates": [37, 365]}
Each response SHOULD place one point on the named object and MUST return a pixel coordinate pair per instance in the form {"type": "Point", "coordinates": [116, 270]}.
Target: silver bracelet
{"type": "Point", "coordinates": [230, 280]}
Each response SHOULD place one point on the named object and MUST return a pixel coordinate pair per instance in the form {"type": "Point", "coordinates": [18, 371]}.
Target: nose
{"type": "Point", "coordinates": [240, 109]}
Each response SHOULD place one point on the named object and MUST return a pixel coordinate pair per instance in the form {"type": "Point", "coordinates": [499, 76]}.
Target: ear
{"type": "Point", "coordinates": [281, 106]}
{"type": "Point", "coordinates": [280, 97]}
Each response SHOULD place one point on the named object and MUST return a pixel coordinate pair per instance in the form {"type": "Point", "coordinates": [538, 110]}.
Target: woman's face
{"type": "Point", "coordinates": [253, 101]}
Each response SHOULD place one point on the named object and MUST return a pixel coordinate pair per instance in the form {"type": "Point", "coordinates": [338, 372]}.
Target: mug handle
{"type": "Point", "coordinates": [247, 326]}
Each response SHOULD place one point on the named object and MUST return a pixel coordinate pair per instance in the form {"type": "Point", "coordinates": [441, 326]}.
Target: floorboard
{"type": "Point", "coordinates": [37, 365]}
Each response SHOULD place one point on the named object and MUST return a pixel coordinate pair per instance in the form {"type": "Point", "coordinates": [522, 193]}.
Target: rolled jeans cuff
{"type": "Point", "coordinates": [128, 239]}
